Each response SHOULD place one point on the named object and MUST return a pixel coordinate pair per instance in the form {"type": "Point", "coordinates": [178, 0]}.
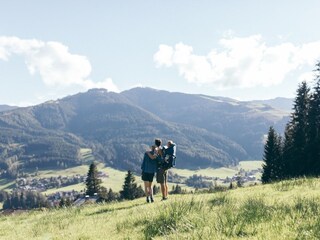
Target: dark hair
{"type": "Point", "coordinates": [157, 142]}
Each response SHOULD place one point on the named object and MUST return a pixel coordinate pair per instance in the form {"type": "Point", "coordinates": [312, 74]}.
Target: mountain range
{"type": "Point", "coordinates": [119, 127]}
{"type": "Point", "coordinates": [6, 108]}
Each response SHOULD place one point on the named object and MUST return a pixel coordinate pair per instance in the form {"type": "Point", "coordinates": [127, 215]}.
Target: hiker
{"type": "Point", "coordinates": [149, 167]}
{"type": "Point", "coordinates": [168, 157]}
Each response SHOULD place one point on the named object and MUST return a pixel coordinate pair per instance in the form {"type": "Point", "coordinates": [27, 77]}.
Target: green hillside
{"type": "Point", "coordinates": [285, 210]}
{"type": "Point", "coordinates": [104, 126]}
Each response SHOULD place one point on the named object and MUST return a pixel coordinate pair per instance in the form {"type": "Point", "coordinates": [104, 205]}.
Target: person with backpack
{"type": "Point", "coordinates": [168, 161]}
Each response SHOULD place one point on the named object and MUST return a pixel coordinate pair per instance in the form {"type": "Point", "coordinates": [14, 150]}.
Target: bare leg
{"type": "Point", "coordinates": [163, 190]}
{"type": "Point", "coordinates": [151, 191]}
{"type": "Point", "coordinates": [146, 188]}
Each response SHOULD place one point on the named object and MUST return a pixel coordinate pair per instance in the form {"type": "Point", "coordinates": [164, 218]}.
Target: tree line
{"type": "Point", "coordinates": [24, 199]}
{"type": "Point", "coordinates": [297, 152]}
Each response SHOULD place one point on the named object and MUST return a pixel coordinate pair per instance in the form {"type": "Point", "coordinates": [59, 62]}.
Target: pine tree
{"type": "Point", "coordinates": [129, 188]}
{"type": "Point", "coordinates": [92, 181]}
{"type": "Point", "coordinates": [272, 167]}
{"type": "Point", "coordinates": [62, 203]}
{"type": "Point", "coordinates": [176, 189]}
{"type": "Point", "coordinates": [156, 189]}
{"type": "Point", "coordinates": [313, 149]}
{"type": "Point", "coordinates": [68, 202]}
{"type": "Point", "coordinates": [112, 196]}
{"type": "Point", "coordinates": [103, 195]}
{"type": "Point", "coordinates": [297, 131]}
{"type": "Point", "coordinates": [287, 152]}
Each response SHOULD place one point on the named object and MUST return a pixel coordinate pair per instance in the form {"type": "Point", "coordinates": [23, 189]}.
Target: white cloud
{"type": "Point", "coordinates": [164, 55]}
{"type": "Point", "coordinates": [241, 62]}
{"type": "Point", "coordinates": [53, 62]}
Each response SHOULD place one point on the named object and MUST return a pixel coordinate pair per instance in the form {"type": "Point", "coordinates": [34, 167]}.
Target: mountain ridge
{"type": "Point", "coordinates": [118, 127]}
{"type": "Point", "coordinates": [216, 114]}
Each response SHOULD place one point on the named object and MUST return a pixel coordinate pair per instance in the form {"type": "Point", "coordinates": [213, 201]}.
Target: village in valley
{"type": "Point", "coordinates": [242, 177]}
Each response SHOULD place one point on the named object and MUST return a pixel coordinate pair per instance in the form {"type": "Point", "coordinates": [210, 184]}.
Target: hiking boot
{"type": "Point", "coordinates": [148, 199]}
{"type": "Point", "coordinates": [164, 199]}
{"type": "Point", "coordinates": [151, 199]}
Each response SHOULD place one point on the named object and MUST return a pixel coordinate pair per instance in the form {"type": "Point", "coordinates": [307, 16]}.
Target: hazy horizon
{"type": "Point", "coordinates": [56, 99]}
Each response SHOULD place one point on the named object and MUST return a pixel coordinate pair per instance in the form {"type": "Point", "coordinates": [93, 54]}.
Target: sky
{"type": "Point", "coordinates": [246, 50]}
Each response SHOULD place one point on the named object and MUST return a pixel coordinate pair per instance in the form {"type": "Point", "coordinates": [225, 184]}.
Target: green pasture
{"type": "Point", "coordinates": [285, 210]}
{"type": "Point", "coordinates": [86, 155]}
{"type": "Point", "coordinates": [208, 172]}
{"type": "Point", "coordinates": [6, 184]}
{"type": "Point", "coordinates": [250, 165]}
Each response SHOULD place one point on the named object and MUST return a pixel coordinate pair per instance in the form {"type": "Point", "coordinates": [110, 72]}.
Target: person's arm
{"type": "Point", "coordinates": [152, 156]}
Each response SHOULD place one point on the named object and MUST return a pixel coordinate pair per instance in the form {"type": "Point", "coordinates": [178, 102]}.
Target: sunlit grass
{"type": "Point", "coordinates": [6, 184]}
{"type": "Point", "coordinates": [86, 155]}
{"type": "Point", "coordinates": [287, 210]}
{"type": "Point", "coordinates": [208, 172]}
{"type": "Point", "coordinates": [250, 165]}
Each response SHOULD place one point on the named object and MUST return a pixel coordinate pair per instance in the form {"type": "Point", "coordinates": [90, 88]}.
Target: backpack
{"type": "Point", "coordinates": [169, 157]}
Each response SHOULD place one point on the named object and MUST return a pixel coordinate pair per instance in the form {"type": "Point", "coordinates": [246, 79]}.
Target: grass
{"type": "Point", "coordinates": [208, 172]}
{"type": "Point", "coordinates": [250, 165]}
{"type": "Point", "coordinates": [86, 155]}
{"type": "Point", "coordinates": [82, 170]}
{"type": "Point", "coordinates": [273, 211]}
{"type": "Point", "coordinates": [6, 184]}
{"type": "Point", "coordinates": [114, 180]}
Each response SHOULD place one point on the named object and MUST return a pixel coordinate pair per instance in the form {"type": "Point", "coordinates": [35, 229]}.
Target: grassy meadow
{"type": "Point", "coordinates": [6, 184]}
{"type": "Point", "coordinates": [285, 210]}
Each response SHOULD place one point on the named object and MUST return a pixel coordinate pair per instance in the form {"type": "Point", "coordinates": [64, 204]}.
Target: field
{"type": "Point", "coordinates": [285, 210]}
{"type": "Point", "coordinates": [6, 184]}
{"type": "Point", "coordinates": [114, 180]}
{"type": "Point", "coordinates": [250, 165]}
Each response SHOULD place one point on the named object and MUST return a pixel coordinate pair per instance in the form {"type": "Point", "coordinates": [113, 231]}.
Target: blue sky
{"type": "Point", "coordinates": [239, 49]}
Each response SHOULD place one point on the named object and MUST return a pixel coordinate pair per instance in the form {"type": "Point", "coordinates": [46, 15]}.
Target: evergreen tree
{"type": "Point", "coordinates": [313, 149]}
{"type": "Point", "coordinates": [62, 203]}
{"type": "Point", "coordinates": [129, 188]}
{"type": "Point", "coordinates": [112, 196]}
{"type": "Point", "coordinates": [92, 181]}
{"type": "Point", "coordinates": [176, 189]}
{"type": "Point", "coordinates": [272, 167]}
{"type": "Point", "coordinates": [287, 151]}
{"type": "Point", "coordinates": [68, 202]}
{"type": "Point", "coordinates": [103, 195]}
{"type": "Point", "coordinates": [156, 189]}
{"type": "Point", "coordinates": [25, 200]}
{"type": "Point", "coordinates": [140, 192]}
{"type": "Point", "coordinates": [295, 151]}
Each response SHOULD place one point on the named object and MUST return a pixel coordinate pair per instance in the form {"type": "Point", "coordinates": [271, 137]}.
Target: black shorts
{"type": "Point", "coordinates": [147, 177]}
{"type": "Point", "coordinates": [162, 176]}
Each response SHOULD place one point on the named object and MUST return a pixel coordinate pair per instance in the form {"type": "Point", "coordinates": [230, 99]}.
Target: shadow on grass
{"type": "Point", "coordinates": [115, 209]}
